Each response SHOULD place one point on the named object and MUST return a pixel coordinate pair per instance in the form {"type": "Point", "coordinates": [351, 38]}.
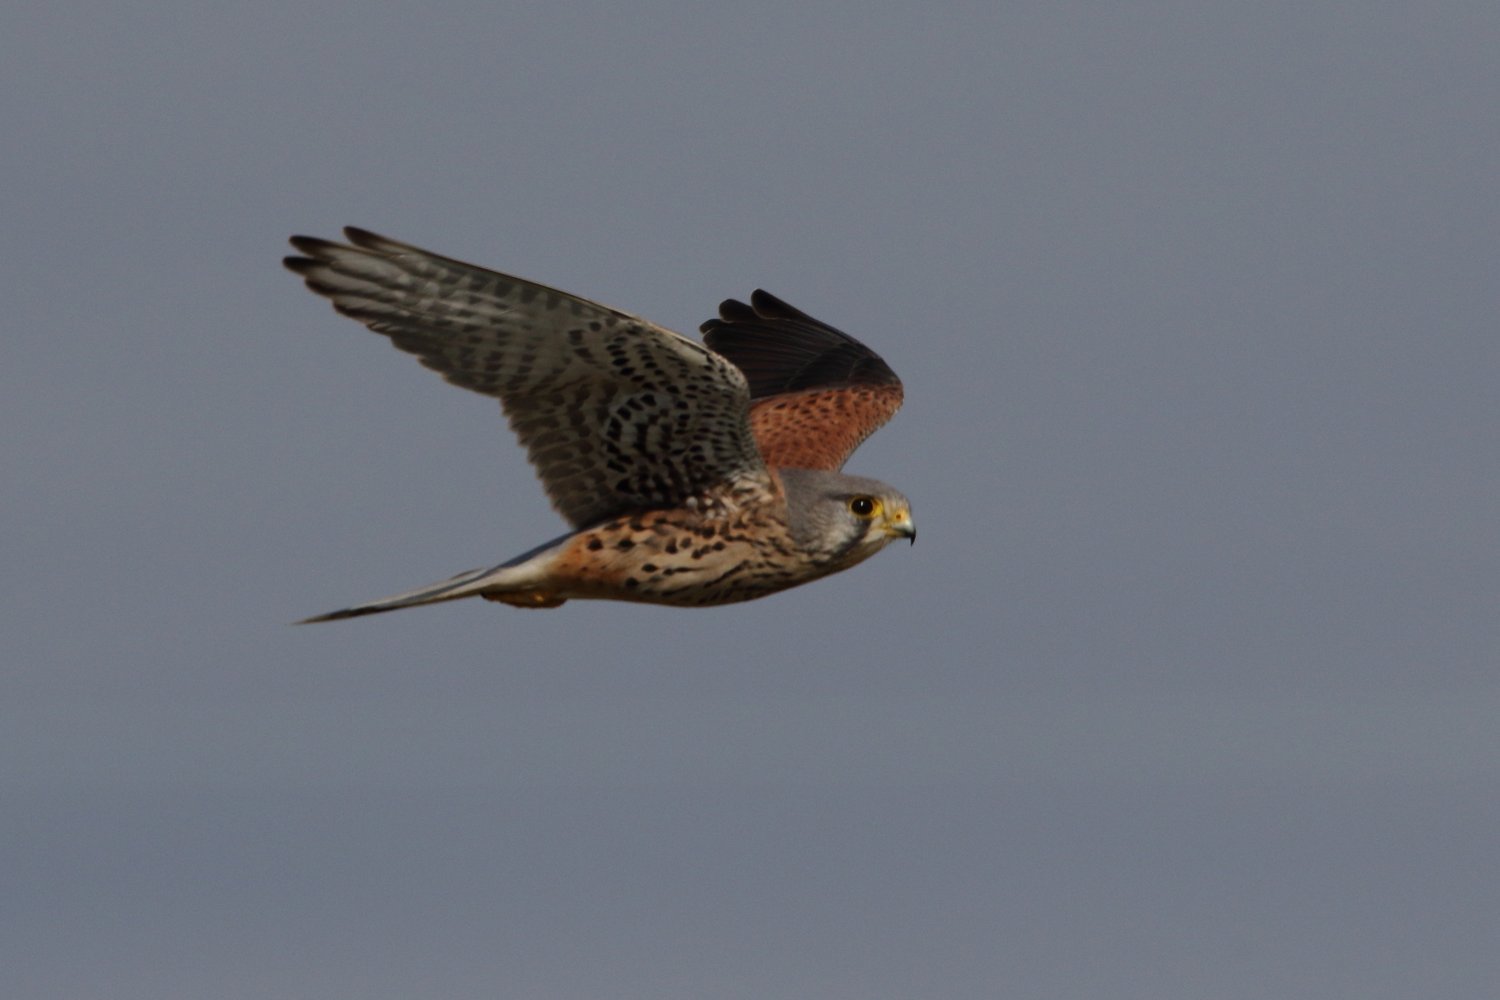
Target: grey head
{"type": "Point", "coordinates": [842, 520]}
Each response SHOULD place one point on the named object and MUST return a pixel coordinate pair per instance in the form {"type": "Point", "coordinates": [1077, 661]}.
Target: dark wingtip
{"type": "Point", "coordinates": [735, 311]}
{"type": "Point", "coordinates": [363, 237]}
{"type": "Point", "coordinates": [730, 311]}
{"type": "Point", "coordinates": [766, 305]}
{"type": "Point", "coordinates": [316, 246]}
{"type": "Point", "coordinates": [310, 244]}
{"type": "Point", "coordinates": [782, 349]}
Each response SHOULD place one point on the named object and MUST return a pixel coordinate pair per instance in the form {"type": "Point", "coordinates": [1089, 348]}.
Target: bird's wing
{"type": "Point", "coordinates": [615, 412]}
{"type": "Point", "coordinates": [816, 392]}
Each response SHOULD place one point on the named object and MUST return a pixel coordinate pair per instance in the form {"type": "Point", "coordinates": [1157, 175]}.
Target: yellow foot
{"type": "Point", "coordinates": [529, 599]}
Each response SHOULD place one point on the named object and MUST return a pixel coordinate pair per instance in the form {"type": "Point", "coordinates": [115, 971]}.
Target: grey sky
{"type": "Point", "coordinates": [1189, 689]}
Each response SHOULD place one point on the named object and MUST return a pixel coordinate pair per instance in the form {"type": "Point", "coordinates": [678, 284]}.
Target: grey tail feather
{"type": "Point", "coordinates": [449, 590]}
{"type": "Point", "coordinates": [463, 585]}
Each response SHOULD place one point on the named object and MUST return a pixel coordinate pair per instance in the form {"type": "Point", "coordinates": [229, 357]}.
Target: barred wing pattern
{"type": "Point", "coordinates": [616, 413]}
{"type": "Point", "coordinates": [816, 392]}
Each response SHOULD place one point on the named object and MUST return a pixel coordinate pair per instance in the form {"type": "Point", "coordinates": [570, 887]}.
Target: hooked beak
{"type": "Point", "coordinates": [900, 525]}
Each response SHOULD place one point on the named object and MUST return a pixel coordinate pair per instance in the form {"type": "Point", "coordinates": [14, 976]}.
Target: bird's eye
{"type": "Point", "coordinates": [864, 507]}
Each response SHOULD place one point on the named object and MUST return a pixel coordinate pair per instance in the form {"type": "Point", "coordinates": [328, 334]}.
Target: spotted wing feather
{"type": "Point", "coordinates": [616, 413]}
{"type": "Point", "coordinates": [816, 392]}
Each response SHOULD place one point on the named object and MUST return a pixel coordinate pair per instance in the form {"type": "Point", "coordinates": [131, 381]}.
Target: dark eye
{"type": "Point", "coordinates": [864, 507]}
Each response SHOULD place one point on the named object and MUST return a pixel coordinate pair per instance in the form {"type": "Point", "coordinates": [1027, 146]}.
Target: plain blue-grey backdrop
{"type": "Point", "coordinates": [1189, 689]}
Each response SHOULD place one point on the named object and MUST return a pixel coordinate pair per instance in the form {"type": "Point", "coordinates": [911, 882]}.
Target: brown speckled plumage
{"type": "Point", "coordinates": [693, 475]}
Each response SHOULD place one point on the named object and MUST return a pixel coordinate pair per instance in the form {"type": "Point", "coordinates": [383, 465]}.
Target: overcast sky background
{"type": "Point", "coordinates": [1188, 690]}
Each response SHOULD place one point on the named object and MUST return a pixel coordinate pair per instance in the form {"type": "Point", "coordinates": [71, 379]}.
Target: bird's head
{"type": "Point", "coordinates": [844, 519]}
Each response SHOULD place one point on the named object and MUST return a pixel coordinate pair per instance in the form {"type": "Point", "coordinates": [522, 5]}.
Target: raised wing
{"type": "Point", "coordinates": [616, 413]}
{"type": "Point", "coordinates": [816, 392]}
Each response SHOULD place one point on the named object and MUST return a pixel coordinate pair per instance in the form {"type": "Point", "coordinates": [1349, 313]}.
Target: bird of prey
{"type": "Point", "coordinates": [690, 474]}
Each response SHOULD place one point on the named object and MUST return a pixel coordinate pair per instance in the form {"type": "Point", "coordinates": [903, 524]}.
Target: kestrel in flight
{"type": "Point", "coordinates": [691, 475]}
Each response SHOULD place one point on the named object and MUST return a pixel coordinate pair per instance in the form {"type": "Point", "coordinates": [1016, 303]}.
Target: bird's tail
{"type": "Point", "coordinates": [462, 585]}
{"type": "Point", "coordinates": [519, 576]}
